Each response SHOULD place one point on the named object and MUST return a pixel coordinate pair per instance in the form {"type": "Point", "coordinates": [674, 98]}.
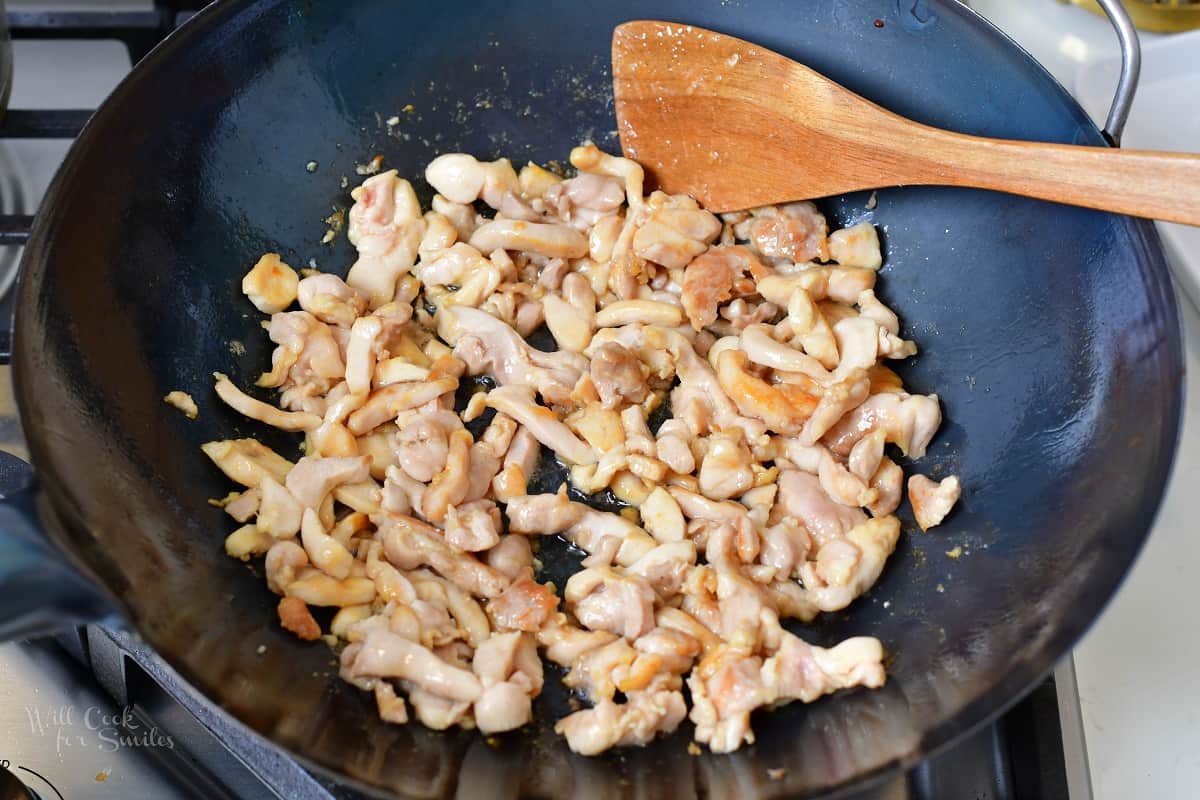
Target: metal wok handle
{"type": "Point", "coordinates": [1131, 68]}
{"type": "Point", "coordinates": [39, 592]}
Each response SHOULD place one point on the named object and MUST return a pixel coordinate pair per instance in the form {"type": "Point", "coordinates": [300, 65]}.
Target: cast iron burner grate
{"type": "Point", "coordinates": [1019, 756]}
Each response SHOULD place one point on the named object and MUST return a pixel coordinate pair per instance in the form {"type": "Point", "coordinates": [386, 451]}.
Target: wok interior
{"type": "Point", "coordinates": [1049, 334]}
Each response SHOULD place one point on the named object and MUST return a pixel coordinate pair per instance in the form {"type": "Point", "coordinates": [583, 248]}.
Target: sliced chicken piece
{"type": "Point", "coordinates": [932, 501]}
{"type": "Point", "coordinates": [318, 589]}
{"type": "Point", "coordinates": [314, 478]}
{"type": "Point", "coordinates": [386, 226]}
{"type": "Point", "coordinates": [778, 408]}
{"type": "Point", "coordinates": [800, 671]}
{"type": "Point", "coordinates": [360, 354]}
{"type": "Point", "coordinates": [473, 526]}
{"type": "Point", "coordinates": [673, 446]}
{"type": "Point", "coordinates": [391, 707]}
{"type": "Point", "coordinates": [723, 698]}
{"type": "Point", "coordinates": [665, 567]}
{"type": "Point", "coordinates": [811, 330]}
{"type": "Point", "coordinates": [284, 562]}
{"type": "Point", "coordinates": [279, 513]}
{"type": "Point", "coordinates": [602, 599]}
{"type": "Point", "coordinates": [525, 605]}
{"type": "Point", "coordinates": [637, 721]}
{"type": "Point", "coordinates": [386, 403]}
{"type": "Point", "coordinates": [449, 487]}
{"type": "Point", "coordinates": [847, 566]}
{"type": "Point", "coordinates": [422, 442]}
{"type": "Point", "coordinates": [547, 239]}
{"type": "Point", "coordinates": [244, 505]}
{"type": "Point", "coordinates": [246, 461]}
{"type": "Point", "coordinates": [295, 617]}
{"type": "Point", "coordinates": [909, 422]}
{"type": "Point", "coordinates": [386, 655]}
{"type": "Point", "coordinates": [518, 403]}
{"type": "Point", "coordinates": [709, 278]}
{"type": "Point", "coordinates": [889, 483]}
{"type": "Point", "coordinates": [308, 361]}
{"type": "Point", "coordinates": [461, 178]}
{"type": "Point", "coordinates": [270, 284]}
{"type": "Point", "coordinates": [838, 399]}
{"type": "Point", "coordinates": [434, 711]}
{"type": "Point", "coordinates": [409, 543]}
{"type": "Point", "coordinates": [785, 546]}
{"type": "Point", "coordinates": [324, 552]}
{"type": "Point", "coordinates": [676, 231]}
{"type": "Point", "coordinates": [565, 644]}
{"type": "Point", "coordinates": [512, 557]}
{"type": "Point", "coordinates": [856, 246]}
{"type": "Point", "coordinates": [762, 348]}
{"type": "Point", "coordinates": [583, 526]}
{"type": "Point", "coordinates": [726, 470]}
{"type": "Point", "coordinates": [490, 346]}
{"type": "Point", "coordinates": [802, 498]}
{"type": "Point", "coordinates": [243, 403]}
{"type": "Point", "coordinates": [841, 284]}
{"type": "Point", "coordinates": [794, 232]}
{"type": "Point", "coordinates": [618, 376]}
{"type": "Point", "coordinates": [328, 298]}
{"type": "Point", "coordinates": [867, 454]}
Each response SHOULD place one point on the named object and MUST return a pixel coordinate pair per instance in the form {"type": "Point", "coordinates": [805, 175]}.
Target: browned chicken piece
{"type": "Point", "coordinates": [802, 498]}
{"type": "Point", "coordinates": [314, 478]}
{"type": "Point", "coordinates": [794, 232]}
{"type": "Point", "coordinates": [489, 345]}
{"type": "Point", "coordinates": [617, 375]}
{"type": "Point", "coordinates": [241, 402]}
{"type": "Point", "coordinates": [909, 422]}
{"type": "Point", "coordinates": [524, 606]}
{"type": "Point", "coordinates": [295, 617]}
{"type": "Point", "coordinates": [391, 707]}
{"type": "Point", "coordinates": [637, 721]}
{"type": "Point", "coordinates": [386, 655]}
{"type": "Point", "coordinates": [421, 444]}
{"type": "Point", "coordinates": [676, 231]}
{"type": "Point", "coordinates": [932, 501]}
{"type": "Point", "coordinates": [329, 299]}
{"type": "Point", "coordinates": [518, 403]}
{"type": "Point", "coordinates": [847, 566]}
{"type": "Point", "coordinates": [410, 543]}
{"type": "Point", "coordinates": [708, 281]}
{"type": "Point", "coordinates": [386, 226]}
{"type": "Point", "coordinates": [605, 600]}
{"type": "Point", "coordinates": [270, 284]}
{"type": "Point", "coordinates": [512, 557]}
{"type": "Point", "coordinates": [473, 526]}
{"type": "Point", "coordinates": [582, 525]}
{"type": "Point", "coordinates": [511, 673]}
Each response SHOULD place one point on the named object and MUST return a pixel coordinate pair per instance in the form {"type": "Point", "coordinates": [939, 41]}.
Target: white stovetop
{"type": "Point", "coordinates": [1138, 691]}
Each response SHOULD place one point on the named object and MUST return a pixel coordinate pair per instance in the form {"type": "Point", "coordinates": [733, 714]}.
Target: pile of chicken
{"type": "Point", "coordinates": [745, 506]}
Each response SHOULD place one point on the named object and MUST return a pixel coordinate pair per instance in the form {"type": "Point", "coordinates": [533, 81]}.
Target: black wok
{"type": "Point", "coordinates": [1049, 332]}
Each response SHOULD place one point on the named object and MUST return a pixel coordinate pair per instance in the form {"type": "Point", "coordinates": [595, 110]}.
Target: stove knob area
{"type": "Point", "coordinates": [11, 787]}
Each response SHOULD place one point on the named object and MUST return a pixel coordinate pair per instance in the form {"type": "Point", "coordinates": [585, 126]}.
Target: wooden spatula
{"type": "Point", "coordinates": [737, 126]}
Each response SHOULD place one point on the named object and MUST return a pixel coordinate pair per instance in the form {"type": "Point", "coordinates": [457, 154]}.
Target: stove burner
{"type": "Point", "coordinates": [16, 197]}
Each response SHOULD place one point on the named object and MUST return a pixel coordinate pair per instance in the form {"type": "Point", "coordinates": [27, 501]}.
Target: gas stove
{"type": "Point", "coordinates": [94, 713]}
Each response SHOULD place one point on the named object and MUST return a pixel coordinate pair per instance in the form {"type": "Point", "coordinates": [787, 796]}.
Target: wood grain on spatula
{"type": "Point", "coordinates": [737, 126]}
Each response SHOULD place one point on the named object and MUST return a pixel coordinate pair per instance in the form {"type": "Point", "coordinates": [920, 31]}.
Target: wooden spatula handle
{"type": "Point", "coordinates": [1141, 183]}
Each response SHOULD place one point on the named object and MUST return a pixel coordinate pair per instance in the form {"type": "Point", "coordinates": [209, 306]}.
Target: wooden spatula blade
{"type": "Point", "coordinates": [736, 126]}
{"type": "Point", "coordinates": [686, 110]}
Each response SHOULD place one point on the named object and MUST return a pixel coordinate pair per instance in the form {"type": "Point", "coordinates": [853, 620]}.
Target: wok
{"type": "Point", "coordinates": [1050, 334]}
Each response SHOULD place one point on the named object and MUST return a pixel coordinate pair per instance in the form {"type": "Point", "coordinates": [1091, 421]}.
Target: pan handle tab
{"type": "Point", "coordinates": [40, 592]}
{"type": "Point", "coordinates": [1131, 68]}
